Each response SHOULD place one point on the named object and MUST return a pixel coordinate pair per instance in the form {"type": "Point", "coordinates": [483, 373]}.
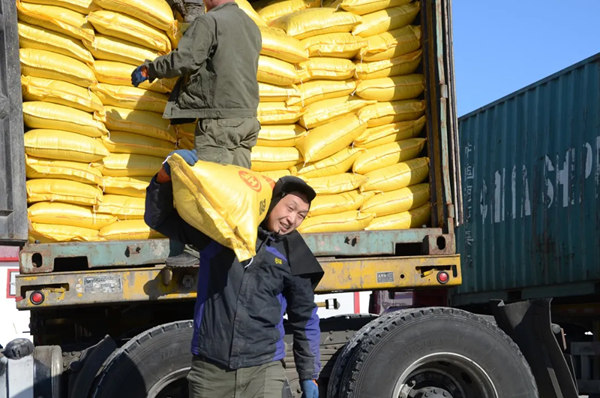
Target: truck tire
{"type": "Point", "coordinates": [431, 352]}
{"type": "Point", "coordinates": [153, 364]}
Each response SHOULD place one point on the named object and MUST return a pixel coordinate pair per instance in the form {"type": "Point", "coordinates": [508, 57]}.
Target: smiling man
{"type": "Point", "coordinates": [237, 345]}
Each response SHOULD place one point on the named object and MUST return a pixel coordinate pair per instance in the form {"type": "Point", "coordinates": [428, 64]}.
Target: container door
{"type": "Point", "coordinates": [13, 203]}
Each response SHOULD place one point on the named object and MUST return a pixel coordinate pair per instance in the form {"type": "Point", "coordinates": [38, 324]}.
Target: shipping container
{"type": "Point", "coordinates": [530, 167]}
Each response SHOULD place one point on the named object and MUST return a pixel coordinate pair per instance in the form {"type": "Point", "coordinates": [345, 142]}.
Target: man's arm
{"type": "Point", "coordinates": [304, 322]}
{"type": "Point", "coordinates": [193, 49]}
{"type": "Point", "coordinates": [161, 216]}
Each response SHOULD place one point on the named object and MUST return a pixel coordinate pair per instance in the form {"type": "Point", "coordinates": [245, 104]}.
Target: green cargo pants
{"type": "Point", "coordinates": [226, 141]}
{"type": "Point", "coordinates": [207, 380]}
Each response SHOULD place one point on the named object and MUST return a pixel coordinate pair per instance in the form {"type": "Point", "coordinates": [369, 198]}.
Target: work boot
{"type": "Point", "coordinates": [193, 11]}
{"type": "Point", "coordinates": [181, 255]}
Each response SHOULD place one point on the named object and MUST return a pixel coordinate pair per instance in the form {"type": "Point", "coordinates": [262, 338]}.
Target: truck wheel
{"type": "Point", "coordinates": [432, 352]}
{"type": "Point", "coordinates": [153, 364]}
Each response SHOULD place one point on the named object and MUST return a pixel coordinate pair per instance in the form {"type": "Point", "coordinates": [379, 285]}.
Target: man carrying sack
{"type": "Point", "coordinates": [237, 344]}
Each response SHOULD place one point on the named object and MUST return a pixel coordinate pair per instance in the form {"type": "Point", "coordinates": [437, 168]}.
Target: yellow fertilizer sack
{"type": "Point", "coordinates": [81, 6]}
{"type": "Point", "coordinates": [362, 7]}
{"type": "Point", "coordinates": [128, 186]}
{"type": "Point", "coordinates": [391, 44]}
{"type": "Point", "coordinates": [225, 202]}
{"type": "Point", "coordinates": [397, 201]}
{"type": "Point", "coordinates": [60, 92]}
{"type": "Point", "coordinates": [397, 176]}
{"type": "Point", "coordinates": [124, 142]}
{"type": "Point", "coordinates": [121, 206]}
{"type": "Point", "coordinates": [329, 138]}
{"type": "Point", "coordinates": [315, 21]}
{"type": "Point", "coordinates": [391, 112]}
{"type": "Point", "coordinates": [88, 173]}
{"type": "Point", "coordinates": [341, 44]}
{"type": "Point", "coordinates": [53, 190]}
{"type": "Point", "coordinates": [387, 19]}
{"type": "Point", "coordinates": [146, 123]}
{"type": "Point", "coordinates": [130, 165]}
{"type": "Point", "coordinates": [275, 71]}
{"type": "Point", "coordinates": [124, 27]}
{"type": "Point", "coordinates": [131, 97]}
{"type": "Point", "coordinates": [127, 230]}
{"type": "Point", "coordinates": [277, 113]}
{"type": "Point", "coordinates": [415, 218]}
{"type": "Point", "coordinates": [338, 222]}
{"type": "Point", "coordinates": [285, 135]}
{"type": "Point", "coordinates": [375, 136]}
{"type": "Point", "coordinates": [63, 145]}
{"type": "Point", "coordinates": [321, 112]}
{"type": "Point", "coordinates": [31, 36]}
{"type": "Point", "coordinates": [49, 233]}
{"type": "Point", "coordinates": [400, 65]}
{"type": "Point", "coordinates": [388, 154]}
{"type": "Point", "coordinates": [273, 93]}
{"type": "Point", "coordinates": [154, 12]}
{"type": "Point", "coordinates": [337, 163]}
{"type": "Point", "coordinates": [249, 10]}
{"type": "Point", "coordinates": [391, 88]}
{"type": "Point", "coordinates": [337, 203]}
{"type": "Point", "coordinates": [119, 73]}
{"type": "Point", "coordinates": [264, 158]}
{"type": "Point", "coordinates": [276, 44]}
{"type": "Point", "coordinates": [326, 68]}
{"type": "Point", "coordinates": [113, 49]}
{"type": "Point", "coordinates": [58, 19]}
{"type": "Point", "coordinates": [67, 214]}
{"type": "Point", "coordinates": [50, 65]}
{"type": "Point", "coordinates": [317, 90]}
{"type": "Point", "coordinates": [47, 115]}
{"type": "Point", "coordinates": [279, 9]}
{"type": "Point", "coordinates": [337, 183]}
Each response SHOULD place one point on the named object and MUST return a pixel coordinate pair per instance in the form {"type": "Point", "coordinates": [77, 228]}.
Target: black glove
{"type": "Point", "coordinates": [139, 75]}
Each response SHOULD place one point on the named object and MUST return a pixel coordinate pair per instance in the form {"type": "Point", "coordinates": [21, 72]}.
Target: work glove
{"type": "Point", "coordinates": [310, 389]}
{"type": "Point", "coordinates": [139, 75]}
{"type": "Point", "coordinates": [190, 156]}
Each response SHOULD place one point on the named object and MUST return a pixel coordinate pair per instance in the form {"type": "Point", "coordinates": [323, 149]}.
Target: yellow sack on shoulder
{"type": "Point", "coordinates": [225, 202]}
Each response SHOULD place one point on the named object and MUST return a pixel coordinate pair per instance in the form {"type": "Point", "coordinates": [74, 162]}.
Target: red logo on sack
{"type": "Point", "coordinates": [250, 180]}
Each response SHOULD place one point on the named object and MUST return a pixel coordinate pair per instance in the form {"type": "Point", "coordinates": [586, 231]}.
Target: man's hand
{"type": "Point", "coordinates": [310, 389]}
{"type": "Point", "coordinates": [190, 156]}
{"type": "Point", "coordinates": [139, 75]}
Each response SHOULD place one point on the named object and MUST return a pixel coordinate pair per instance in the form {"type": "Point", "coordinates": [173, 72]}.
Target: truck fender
{"type": "Point", "coordinates": [84, 370]}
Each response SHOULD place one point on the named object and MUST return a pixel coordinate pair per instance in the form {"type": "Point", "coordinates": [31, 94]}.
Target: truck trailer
{"type": "Point", "coordinates": [108, 318]}
{"type": "Point", "coordinates": [530, 166]}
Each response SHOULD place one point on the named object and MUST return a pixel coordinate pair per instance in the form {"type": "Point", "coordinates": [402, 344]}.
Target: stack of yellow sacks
{"type": "Point", "coordinates": [341, 107]}
{"type": "Point", "coordinates": [93, 141]}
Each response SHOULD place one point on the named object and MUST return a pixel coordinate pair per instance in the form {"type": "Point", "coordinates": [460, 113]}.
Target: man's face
{"type": "Point", "coordinates": [288, 214]}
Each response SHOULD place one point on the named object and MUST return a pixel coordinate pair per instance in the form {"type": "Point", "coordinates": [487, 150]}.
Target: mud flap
{"type": "Point", "coordinates": [528, 323]}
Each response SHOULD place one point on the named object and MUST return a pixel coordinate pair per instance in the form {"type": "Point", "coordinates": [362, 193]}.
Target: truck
{"type": "Point", "coordinates": [109, 318]}
{"type": "Point", "coordinates": [530, 166]}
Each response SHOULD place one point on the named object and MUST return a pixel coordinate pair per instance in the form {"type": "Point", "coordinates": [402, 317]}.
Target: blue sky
{"type": "Point", "coordinates": [501, 46]}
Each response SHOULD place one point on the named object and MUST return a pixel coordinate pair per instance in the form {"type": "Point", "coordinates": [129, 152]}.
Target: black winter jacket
{"type": "Point", "coordinates": [238, 320]}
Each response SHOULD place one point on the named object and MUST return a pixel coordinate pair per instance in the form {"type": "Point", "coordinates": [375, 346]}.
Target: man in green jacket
{"type": "Point", "coordinates": [216, 61]}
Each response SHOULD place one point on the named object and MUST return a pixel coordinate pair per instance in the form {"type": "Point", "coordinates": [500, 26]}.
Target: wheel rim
{"type": "Point", "coordinates": [172, 385]}
{"type": "Point", "coordinates": [447, 375]}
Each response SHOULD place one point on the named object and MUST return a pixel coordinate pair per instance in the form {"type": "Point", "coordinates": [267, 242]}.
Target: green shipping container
{"type": "Point", "coordinates": [530, 169]}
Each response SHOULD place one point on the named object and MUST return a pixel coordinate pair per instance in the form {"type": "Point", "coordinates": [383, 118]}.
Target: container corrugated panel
{"type": "Point", "coordinates": [13, 205]}
{"type": "Point", "coordinates": [530, 166]}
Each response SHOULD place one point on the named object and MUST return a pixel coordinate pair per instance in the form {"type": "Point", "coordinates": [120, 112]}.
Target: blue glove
{"type": "Point", "coordinates": [191, 157]}
{"type": "Point", "coordinates": [138, 76]}
{"type": "Point", "coordinates": [310, 389]}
